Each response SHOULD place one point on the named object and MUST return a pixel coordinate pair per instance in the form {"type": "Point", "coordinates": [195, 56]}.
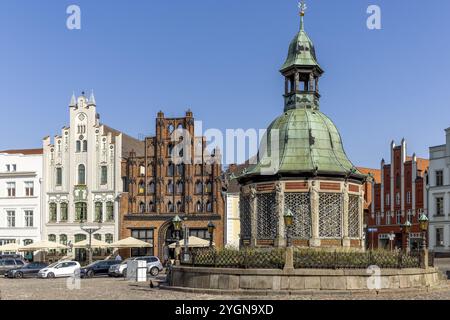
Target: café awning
{"type": "Point", "coordinates": [96, 244]}
{"type": "Point", "coordinates": [10, 247]}
{"type": "Point", "coordinates": [193, 242]}
{"type": "Point", "coordinates": [43, 245]}
{"type": "Point", "coordinates": [130, 243]}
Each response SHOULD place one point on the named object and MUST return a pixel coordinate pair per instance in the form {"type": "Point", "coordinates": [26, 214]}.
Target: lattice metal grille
{"type": "Point", "coordinates": [245, 216]}
{"type": "Point", "coordinates": [267, 217]}
{"type": "Point", "coordinates": [353, 217]}
{"type": "Point", "coordinates": [330, 215]}
{"type": "Point", "coordinates": [299, 204]}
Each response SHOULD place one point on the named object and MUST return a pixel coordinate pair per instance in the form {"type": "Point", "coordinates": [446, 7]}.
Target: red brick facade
{"type": "Point", "coordinates": [397, 199]}
{"type": "Point", "coordinates": [157, 190]}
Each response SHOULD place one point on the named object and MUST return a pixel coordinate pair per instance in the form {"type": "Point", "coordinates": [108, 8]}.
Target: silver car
{"type": "Point", "coordinates": [154, 266]}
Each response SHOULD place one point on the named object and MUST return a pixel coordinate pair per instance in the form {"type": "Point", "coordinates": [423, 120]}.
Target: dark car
{"type": "Point", "coordinates": [30, 270]}
{"type": "Point", "coordinates": [98, 268]}
{"type": "Point", "coordinates": [9, 263]}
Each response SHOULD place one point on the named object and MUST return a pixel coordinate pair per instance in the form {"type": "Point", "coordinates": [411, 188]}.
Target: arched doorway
{"type": "Point", "coordinates": [80, 254]}
{"type": "Point", "coordinates": [167, 236]}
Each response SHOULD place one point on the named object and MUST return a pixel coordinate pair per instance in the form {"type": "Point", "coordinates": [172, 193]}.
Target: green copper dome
{"type": "Point", "coordinates": [309, 143]}
{"type": "Point", "coordinates": [301, 52]}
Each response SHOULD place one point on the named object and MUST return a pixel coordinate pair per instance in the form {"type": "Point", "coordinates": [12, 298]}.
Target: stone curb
{"type": "Point", "coordinates": [303, 292]}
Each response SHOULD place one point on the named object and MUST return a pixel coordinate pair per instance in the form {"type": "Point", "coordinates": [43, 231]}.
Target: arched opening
{"type": "Point", "coordinates": [141, 188]}
{"type": "Point", "coordinates": [151, 187]}
{"type": "Point", "coordinates": [199, 206]}
{"type": "Point", "coordinates": [81, 174]}
{"type": "Point", "coordinates": [170, 207]}
{"type": "Point", "coordinates": [180, 187]}
{"type": "Point", "coordinates": [170, 187]}
{"type": "Point", "coordinates": [142, 208]}
{"type": "Point", "coordinates": [180, 207]}
{"type": "Point", "coordinates": [198, 187]}
{"type": "Point", "coordinates": [80, 254]}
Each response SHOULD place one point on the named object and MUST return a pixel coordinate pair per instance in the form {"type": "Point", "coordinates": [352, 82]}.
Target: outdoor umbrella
{"type": "Point", "coordinates": [96, 244]}
{"type": "Point", "coordinates": [130, 243]}
{"type": "Point", "coordinates": [193, 242]}
{"type": "Point", "coordinates": [10, 247]}
{"type": "Point", "coordinates": [43, 245]}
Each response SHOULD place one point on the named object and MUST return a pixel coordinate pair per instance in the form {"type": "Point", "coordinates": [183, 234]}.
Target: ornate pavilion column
{"type": "Point", "coordinates": [280, 241]}
{"type": "Point", "coordinates": [361, 217]}
{"type": "Point", "coordinates": [253, 216]}
{"type": "Point", "coordinates": [314, 195]}
{"type": "Point", "coordinates": [345, 235]}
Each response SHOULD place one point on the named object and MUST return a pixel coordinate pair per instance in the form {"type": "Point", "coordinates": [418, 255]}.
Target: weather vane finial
{"type": "Point", "coordinates": [302, 6]}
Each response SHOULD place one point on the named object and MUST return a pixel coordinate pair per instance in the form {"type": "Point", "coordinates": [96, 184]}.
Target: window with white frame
{"type": "Point", "coordinates": [378, 219]}
{"type": "Point", "coordinates": [439, 178]}
{"type": "Point", "coordinates": [439, 237]}
{"type": "Point", "coordinates": [398, 217]}
{"type": "Point", "coordinates": [29, 221]}
{"type": "Point", "coordinates": [8, 168]}
{"type": "Point", "coordinates": [440, 206]}
{"type": "Point", "coordinates": [410, 215]}
{"type": "Point", "coordinates": [397, 198]}
{"type": "Point", "coordinates": [29, 188]}
{"type": "Point", "coordinates": [408, 197]}
{"type": "Point", "coordinates": [14, 168]}
{"type": "Point", "coordinates": [58, 177]}
{"type": "Point", "coordinates": [388, 218]}
{"type": "Point", "coordinates": [388, 200]}
{"type": "Point", "coordinates": [11, 218]}
{"type": "Point", "coordinates": [11, 187]}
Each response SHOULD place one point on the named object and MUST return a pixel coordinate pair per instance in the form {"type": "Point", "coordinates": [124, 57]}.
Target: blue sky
{"type": "Point", "coordinates": [221, 59]}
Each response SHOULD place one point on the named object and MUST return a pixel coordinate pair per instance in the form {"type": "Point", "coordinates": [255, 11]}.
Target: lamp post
{"type": "Point", "coordinates": [407, 229]}
{"type": "Point", "coordinates": [288, 221]}
{"type": "Point", "coordinates": [289, 256]}
{"type": "Point", "coordinates": [423, 224]}
{"type": "Point", "coordinates": [90, 230]}
{"type": "Point", "coordinates": [391, 240]}
{"type": "Point", "coordinates": [177, 227]}
{"type": "Point", "coordinates": [211, 228]}
{"type": "Point", "coordinates": [186, 240]}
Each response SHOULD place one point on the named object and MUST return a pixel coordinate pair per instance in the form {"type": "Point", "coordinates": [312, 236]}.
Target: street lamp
{"type": "Point", "coordinates": [90, 229]}
{"type": "Point", "coordinates": [423, 224]}
{"type": "Point", "coordinates": [186, 240]}
{"type": "Point", "coordinates": [407, 229]}
{"type": "Point", "coordinates": [288, 221]}
{"type": "Point", "coordinates": [211, 228]}
{"type": "Point", "coordinates": [177, 226]}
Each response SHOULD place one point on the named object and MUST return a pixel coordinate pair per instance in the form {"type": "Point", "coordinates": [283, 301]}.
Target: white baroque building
{"type": "Point", "coordinates": [20, 196]}
{"type": "Point", "coordinates": [82, 176]}
{"type": "Point", "coordinates": [438, 190]}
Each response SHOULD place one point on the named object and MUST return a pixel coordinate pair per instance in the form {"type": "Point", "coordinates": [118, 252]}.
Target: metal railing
{"type": "Point", "coordinates": [304, 259]}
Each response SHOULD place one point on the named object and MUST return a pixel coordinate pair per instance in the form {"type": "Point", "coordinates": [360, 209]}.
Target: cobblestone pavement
{"type": "Point", "coordinates": [119, 289]}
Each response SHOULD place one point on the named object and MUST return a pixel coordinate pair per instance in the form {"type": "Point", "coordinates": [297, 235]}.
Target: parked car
{"type": "Point", "coordinates": [10, 256]}
{"type": "Point", "coordinates": [9, 263]}
{"type": "Point", "coordinates": [154, 266]}
{"type": "Point", "coordinates": [60, 269]}
{"type": "Point", "coordinates": [98, 268]}
{"type": "Point", "coordinates": [29, 270]}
